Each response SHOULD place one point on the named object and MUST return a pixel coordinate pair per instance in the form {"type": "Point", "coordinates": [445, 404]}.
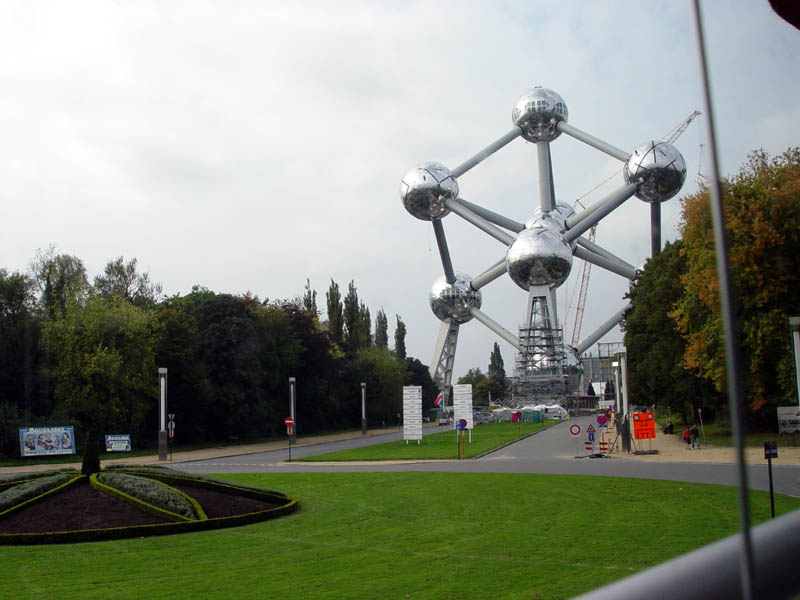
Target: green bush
{"type": "Point", "coordinates": [27, 490]}
{"type": "Point", "coordinates": [151, 492]}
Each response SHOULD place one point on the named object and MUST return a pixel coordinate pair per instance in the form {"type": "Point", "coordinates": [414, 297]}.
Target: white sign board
{"type": "Point", "coordinates": [412, 412]}
{"type": "Point", "coordinates": [605, 404]}
{"type": "Point", "coordinates": [788, 419]}
{"type": "Point", "coordinates": [462, 403]}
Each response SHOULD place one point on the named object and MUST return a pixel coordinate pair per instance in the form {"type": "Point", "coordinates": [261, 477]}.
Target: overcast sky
{"type": "Point", "coordinates": [251, 145]}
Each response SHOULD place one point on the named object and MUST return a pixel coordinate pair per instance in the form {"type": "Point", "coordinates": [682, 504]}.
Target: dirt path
{"type": "Point", "coordinates": [671, 448]}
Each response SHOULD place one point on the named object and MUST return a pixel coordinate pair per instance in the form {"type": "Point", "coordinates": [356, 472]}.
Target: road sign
{"type": "Point", "coordinates": [171, 426]}
{"type": "Point", "coordinates": [288, 421]}
{"type": "Point", "coordinates": [591, 437]}
{"type": "Point", "coordinates": [601, 420]}
{"type": "Point", "coordinates": [770, 449]}
{"type": "Point", "coordinates": [590, 428]}
{"type": "Point", "coordinates": [461, 424]}
{"type": "Point", "coordinates": [171, 416]}
{"type": "Point", "coordinates": [644, 426]}
{"type": "Point", "coordinates": [575, 429]}
{"type": "Point", "coordinates": [172, 431]}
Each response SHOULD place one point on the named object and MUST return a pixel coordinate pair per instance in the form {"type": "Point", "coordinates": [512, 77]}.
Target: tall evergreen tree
{"type": "Point", "coordinates": [335, 313]}
{"type": "Point", "coordinates": [310, 300]}
{"type": "Point", "coordinates": [496, 368]}
{"type": "Point", "coordinates": [400, 338]}
{"type": "Point", "coordinates": [381, 330]}
{"type": "Point", "coordinates": [352, 319]}
{"type": "Point", "coordinates": [365, 327]}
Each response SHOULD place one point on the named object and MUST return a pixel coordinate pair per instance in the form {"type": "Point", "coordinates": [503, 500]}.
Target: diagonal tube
{"type": "Point", "coordinates": [496, 327]}
{"type": "Point", "coordinates": [486, 152]}
{"type": "Point", "coordinates": [488, 276]}
{"type": "Point", "coordinates": [618, 267]}
{"type": "Point", "coordinates": [479, 222]}
{"type": "Point", "coordinates": [592, 141]}
{"type": "Point", "coordinates": [444, 252]}
{"type": "Point", "coordinates": [589, 341]}
{"type": "Point", "coordinates": [579, 224]}
{"type": "Point", "coordinates": [602, 251]}
{"type": "Point", "coordinates": [493, 217]}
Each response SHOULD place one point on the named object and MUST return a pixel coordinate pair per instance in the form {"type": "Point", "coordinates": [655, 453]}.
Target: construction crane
{"type": "Point", "coordinates": [673, 135]}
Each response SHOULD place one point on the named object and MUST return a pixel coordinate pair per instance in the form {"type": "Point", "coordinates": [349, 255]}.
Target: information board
{"type": "Point", "coordinates": [462, 403]}
{"type": "Point", "coordinates": [412, 412]}
{"type": "Point", "coordinates": [46, 441]}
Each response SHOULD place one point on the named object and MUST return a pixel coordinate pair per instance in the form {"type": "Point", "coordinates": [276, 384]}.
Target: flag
{"type": "Point", "coordinates": [438, 401]}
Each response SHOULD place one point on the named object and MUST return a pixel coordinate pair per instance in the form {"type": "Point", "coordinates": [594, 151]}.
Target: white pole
{"type": "Point", "coordinates": [794, 323]}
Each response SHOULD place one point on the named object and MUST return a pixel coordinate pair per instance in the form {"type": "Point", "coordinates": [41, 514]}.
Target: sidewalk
{"type": "Point", "coordinates": [216, 452]}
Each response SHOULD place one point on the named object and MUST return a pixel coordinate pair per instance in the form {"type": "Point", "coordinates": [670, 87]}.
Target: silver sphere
{"type": "Point", "coordinates": [659, 167]}
{"type": "Point", "coordinates": [453, 300]}
{"type": "Point", "coordinates": [554, 219]}
{"type": "Point", "coordinates": [538, 112]}
{"type": "Point", "coordinates": [539, 257]}
{"type": "Point", "coordinates": [425, 189]}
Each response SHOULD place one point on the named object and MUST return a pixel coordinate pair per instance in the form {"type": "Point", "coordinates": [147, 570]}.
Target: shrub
{"type": "Point", "coordinates": [30, 489]}
{"type": "Point", "coordinates": [150, 491]}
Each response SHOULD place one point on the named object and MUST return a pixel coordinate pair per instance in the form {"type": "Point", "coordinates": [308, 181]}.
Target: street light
{"type": "Point", "coordinates": [363, 409]}
{"type": "Point", "coordinates": [291, 409]}
{"type": "Point", "coordinates": [162, 416]}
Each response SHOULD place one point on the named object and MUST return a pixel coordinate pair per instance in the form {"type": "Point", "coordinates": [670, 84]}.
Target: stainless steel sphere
{"type": "Point", "coordinates": [659, 167]}
{"type": "Point", "coordinates": [538, 112]}
{"type": "Point", "coordinates": [554, 219]}
{"type": "Point", "coordinates": [453, 300]}
{"type": "Point", "coordinates": [425, 189]}
{"type": "Point", "coordinates": [539, 257]}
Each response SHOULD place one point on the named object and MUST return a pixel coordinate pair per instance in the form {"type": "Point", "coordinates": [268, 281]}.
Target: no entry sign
{"type": "Point", "coordinates": [288, 421]}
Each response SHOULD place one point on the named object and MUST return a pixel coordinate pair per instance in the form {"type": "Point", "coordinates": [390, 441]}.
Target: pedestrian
{"type": "Point", "coordinates": [695, 435]}
{"type": "Point", "coordinates": [687, 438]}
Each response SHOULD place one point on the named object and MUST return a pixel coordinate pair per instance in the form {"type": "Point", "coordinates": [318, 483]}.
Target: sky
{"type": "Point", "coordinates": [250, 146]}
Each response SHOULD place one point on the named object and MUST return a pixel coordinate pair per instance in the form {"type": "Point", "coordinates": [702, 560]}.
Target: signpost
{"type": "Point", "coordinates": [289, 422]}
{"type": "Point", "coordinates": [575, 431]}
{"type": "Point", "coordinates": [162, 413]}
{"type": "Point", "coordinates": [461, 425]}
{"type": "Point", "coordinates": [412, 413]}
{"type": "Point", "coordinates": [363, 409]}
{"type": "Point", "coordinates": [293, 433]}
{"type": "Point", "coordinates": [770, 452]}
{"type": "Point", "coordinates": [171, 430]}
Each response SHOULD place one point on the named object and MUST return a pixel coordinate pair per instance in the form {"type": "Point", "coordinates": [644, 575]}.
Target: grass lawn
{"type": "Point", "coordinates": [438, 445]}
{"type": "Point", "coordinates": [404, 535]}
{"type": "Point", "coordinates": [722, 435]}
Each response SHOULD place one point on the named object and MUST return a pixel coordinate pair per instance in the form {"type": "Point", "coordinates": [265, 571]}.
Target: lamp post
{"type": "Point", "coordinates": [291, 409]}
{"type": "Point", "coordinates": [162, 414]}
{"type": "Point", "coordinates": [363, 409]}
{"type": "Point", "coordinates": [794, 323]}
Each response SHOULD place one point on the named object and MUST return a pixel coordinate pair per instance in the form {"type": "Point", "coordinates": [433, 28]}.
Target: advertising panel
{"type": "Point", "coordinates": [46, 441]}
{"type": "Point", "coordinates": [118, 443]}
{"type": "Point", "coordinates": [788, 419]}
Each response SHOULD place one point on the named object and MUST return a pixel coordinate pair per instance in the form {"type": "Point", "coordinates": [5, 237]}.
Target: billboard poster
{"type": "Point", "coordinates": [46, 441]}
{"type": "Point", "coordinates": [788, 419]}
{"type": "Point", "coordinates": [412, 413]}
{"type": "Point", "coordinates": [118, 443]}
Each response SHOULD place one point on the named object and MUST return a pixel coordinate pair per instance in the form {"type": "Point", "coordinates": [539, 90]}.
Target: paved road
{"type": "Point", "coordinates": [551, 451]}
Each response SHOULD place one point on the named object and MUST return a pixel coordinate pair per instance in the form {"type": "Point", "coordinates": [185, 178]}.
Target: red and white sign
{"type": "Point", "coordinates": [601, 420]}
{"type": "Point", "coordinates": [288, 421]}
{"type": "Point", "coordinates": [590, 428]}
{"type": "Point", "coordinates": [575, 429]}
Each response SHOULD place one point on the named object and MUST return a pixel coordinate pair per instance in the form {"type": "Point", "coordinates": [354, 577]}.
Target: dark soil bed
{"type": "Point", "coordinates": [82, 507]}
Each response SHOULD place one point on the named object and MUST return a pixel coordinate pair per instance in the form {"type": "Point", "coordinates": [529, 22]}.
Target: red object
{"type": "Point", "coordinates": [516, 416]}
{"type": "Point", "coordinates": [288, 421]}
{"type": "Point", "coordinates": [574, 429]}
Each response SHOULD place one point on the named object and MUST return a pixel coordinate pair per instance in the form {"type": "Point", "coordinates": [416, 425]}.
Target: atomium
{"type": "Point", "coordinates": [538, 113]}
{"type": "Point", "coordinates": [539, 253]}
{"type": "Point", "coordinates": [539, 257]}
{"type": "Point", "coordinates": [425, 189]}
{"type": "Point", "coordinates": [454, 300]}
{"type": "Point", "coordinates": [658, 169]}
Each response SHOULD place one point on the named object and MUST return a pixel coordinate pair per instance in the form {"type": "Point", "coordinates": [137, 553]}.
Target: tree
{"type": "Point", "coordinates": [384, 374]}
{"type": "Point", "coordinates": [16, 351]}
{"type": "Point", "coordinates": [762, 222]}
{"type": "Point", "coordinates": [103, 365]}
{"type": "Point", "coordinates": [310, 300]}
{"type": "Point", "coordinates": [497, 371]}
{"type": "Point", "coordinates": [335, 313]}
{"type": "Point", "coordinates": [400, 338]}
{"type": "Point", "coordinates": [122, 279]}
{"type": "Point", "coordinates": [381, 330]}
{"type": "Point", "coordinates": [656, 370]}
{"type": "Point", "coordinates": [485, 391]}
{"type": "Point", "coordinates": [474, 376]}
{"type": "Point", "coordinates": [59, 279]}
{"type": "Point", "coordinates": [419, 374]}
{"type": "Point", "coordinates": [357, 323]}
